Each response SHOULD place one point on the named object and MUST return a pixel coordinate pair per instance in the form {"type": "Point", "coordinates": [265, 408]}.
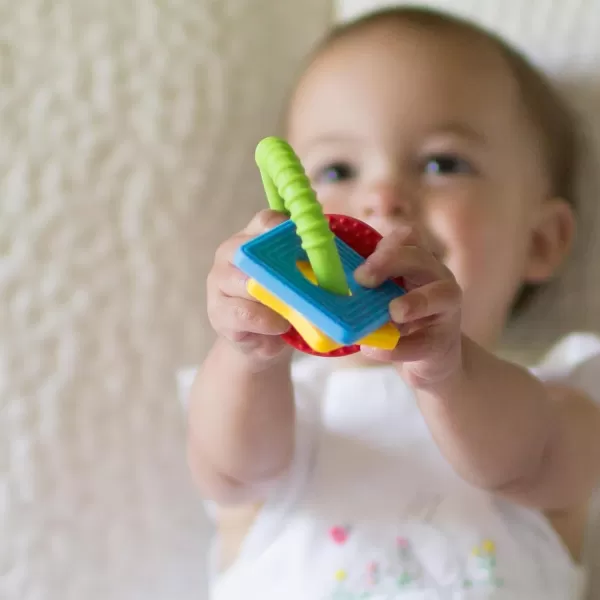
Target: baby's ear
{"type": "Point", "coordinates": [551, 240]}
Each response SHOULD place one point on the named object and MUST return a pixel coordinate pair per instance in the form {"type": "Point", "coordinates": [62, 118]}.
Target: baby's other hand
{"type": "Point", "coordinates": [250, 326]}
{"type": "Point", "coordinates": [428, 315]}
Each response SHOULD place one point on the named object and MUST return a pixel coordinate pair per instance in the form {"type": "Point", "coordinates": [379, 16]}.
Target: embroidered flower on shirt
{"type": "Point", "coordinates": [340, 575]}
{"type": "Point", "coordinates": [398, 570]}
{"type": "Point", "coordinates": [482, 566]}
{"type": "Point", "coordinates": [339, 534]}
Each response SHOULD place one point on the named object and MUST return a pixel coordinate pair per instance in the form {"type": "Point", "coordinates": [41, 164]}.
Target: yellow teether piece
{"type": "Point", "coordinates": [385, 338]}
{"type": "Point", "coordinates": [317, 340]}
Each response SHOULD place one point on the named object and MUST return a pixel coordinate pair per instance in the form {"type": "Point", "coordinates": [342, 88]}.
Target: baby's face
{"type": "Point", "coordinates": [400, 127]}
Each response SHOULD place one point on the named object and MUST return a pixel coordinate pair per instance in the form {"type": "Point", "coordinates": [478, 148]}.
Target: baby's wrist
{"type": "Point", "coordinates": [446, 376]}
{"type": "Point", "coordinates": [242, 361]}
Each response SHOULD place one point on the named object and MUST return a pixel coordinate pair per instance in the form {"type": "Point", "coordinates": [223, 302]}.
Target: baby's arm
{"type": "Point", "coordinates": [241, 424]}
{"type": "Point", "coordinates": [504, 430]}
{"type": "Point", "coordinates": [500, 427]}
{"type": "Point", "coordinates": [241, 421]}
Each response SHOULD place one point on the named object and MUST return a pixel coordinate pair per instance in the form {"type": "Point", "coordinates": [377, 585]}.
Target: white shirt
{"type": "Point", "coordinates": [371, 510]}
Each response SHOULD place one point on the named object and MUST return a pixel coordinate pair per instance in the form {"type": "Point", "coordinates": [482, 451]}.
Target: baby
{"type": "Point", "coordinates": [436, 470]}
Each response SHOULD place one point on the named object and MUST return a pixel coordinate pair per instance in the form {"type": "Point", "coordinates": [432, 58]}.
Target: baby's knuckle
{"type": "Point", "coordinates": [419, 305]}
{"type": "Point", "coordinates": [453, 291]}
{"type": "Point", "coordinates": [389, 245]}
{"type": "Point", "coordinates": [212, 278]}
{"type": "Point", "coordinates": [447, 275]}
{"type": "Point", "coordinates": [239, 337]}
{"type": "Point", "coordinates": [243, 314]}
{"type": "Point", "coordinates": [215, 314]}
{"type": "Point", "coordinates": [225, 250]}
{"type": "Point", "coordinates": [440, 342]}
{"type": "Point", "coordinates": [405, 235]}
{"type": "Point", "coordinates": [212, 287]}
{"type": "Point", "coordinates": [214, 282]}
{"type": "Point", "coordinates": [411, 235]}
{"type": "Point", "coordinates": [249, 319]}
{"type": "Point", "coordinates": [267, 219]}
{"type": "Point", "coordinates": [381, 258]}
{"type": "Point", "coordinates": [264, 216]}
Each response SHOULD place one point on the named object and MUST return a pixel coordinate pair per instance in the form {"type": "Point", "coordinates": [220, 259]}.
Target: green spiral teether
{"type": "Point", "coordinates": [289, 191]}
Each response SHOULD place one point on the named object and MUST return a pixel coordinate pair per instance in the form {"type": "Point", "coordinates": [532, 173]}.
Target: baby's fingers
{"type": "Point", "coordinates": [414, 347]}
{"type": "Point", "coordinates": [236, 317]}
{"type": "Point", "coordinates": [262, 222]}
{"type": "Point", "coordinates": [436, 298]}
{"type": "Point", "coordinates": [390, 260]}
{"type": "Point", "coordinates": [227, 280]}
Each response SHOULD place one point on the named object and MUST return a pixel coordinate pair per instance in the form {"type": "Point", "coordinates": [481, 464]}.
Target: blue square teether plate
{"type": "Point", "coordinates": [271, 260]}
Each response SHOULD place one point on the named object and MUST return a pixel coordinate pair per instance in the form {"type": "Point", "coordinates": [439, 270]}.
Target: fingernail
{"type": "Point", "coordinates": [399, 310]}
{"type": "Point", "coordinates": [364, 274]}
{"type": "Point", "coordinates": [375, 353]}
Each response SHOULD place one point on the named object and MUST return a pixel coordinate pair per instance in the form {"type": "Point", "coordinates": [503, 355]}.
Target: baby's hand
{"type": "Point", "coordinates": [428, 315]}
{"type": "Point", "coordinates": [252, 327]}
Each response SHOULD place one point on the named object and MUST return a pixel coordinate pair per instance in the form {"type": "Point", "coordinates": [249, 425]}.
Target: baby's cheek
{"type": "Point", "coordinates": [478, 264]}
{"type": "Point", "coordinates": [471, 238]}
{"type": "Point", "coordinates": [335, 204]}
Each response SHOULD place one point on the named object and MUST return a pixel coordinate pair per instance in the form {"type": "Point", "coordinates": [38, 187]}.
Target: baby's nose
{"type": "Point", "coordinates": [383, 201]}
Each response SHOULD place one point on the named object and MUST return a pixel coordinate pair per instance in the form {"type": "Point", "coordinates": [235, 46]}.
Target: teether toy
{"type": "Point", "coordinates": [303, 269]}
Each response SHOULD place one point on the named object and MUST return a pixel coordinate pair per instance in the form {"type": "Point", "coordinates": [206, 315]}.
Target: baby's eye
{"type": "Point", "coordinates": [335, 173]}
{"type": "Point", "coordinates": [445, 165]}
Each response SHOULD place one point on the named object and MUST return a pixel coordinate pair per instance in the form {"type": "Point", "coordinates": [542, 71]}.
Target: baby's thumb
{"type": "Point", "coordinates": [264, 221]}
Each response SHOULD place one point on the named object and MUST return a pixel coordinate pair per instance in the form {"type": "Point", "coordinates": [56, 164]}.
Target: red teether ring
{"type": "Point", "coordinates": [360, 237]}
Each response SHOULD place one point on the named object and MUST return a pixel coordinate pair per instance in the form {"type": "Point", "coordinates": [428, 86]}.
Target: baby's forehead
{"type": "Point", "coordinates": [393, 63]}
{"type": "Point", "coordinates": [447, 44]}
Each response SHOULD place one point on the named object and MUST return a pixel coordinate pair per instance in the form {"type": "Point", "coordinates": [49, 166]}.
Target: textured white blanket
{"type": "Point", "coordinates": [127, 132]}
